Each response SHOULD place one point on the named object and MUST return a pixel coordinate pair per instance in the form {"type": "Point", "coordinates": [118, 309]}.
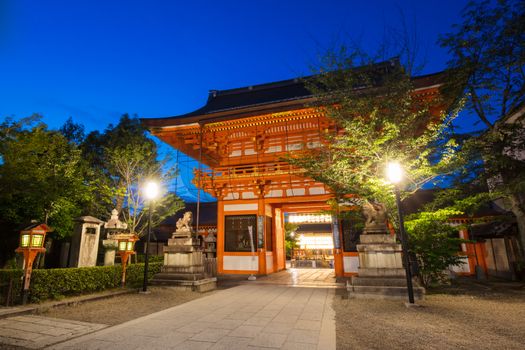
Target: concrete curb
{"type": "Point", "coordinates": [37, 308]}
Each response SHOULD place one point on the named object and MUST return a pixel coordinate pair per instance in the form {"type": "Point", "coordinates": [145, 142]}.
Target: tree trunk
{"type": "Point", "coordinates": [517, 210]}
{"type": "Point", "coordinates": [119, 198]}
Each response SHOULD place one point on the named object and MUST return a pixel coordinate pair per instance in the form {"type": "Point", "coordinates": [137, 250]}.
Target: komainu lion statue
{"type": "Point", "coordinates": [375, 215]}
{"type": "Point", "coordinates": [184, 223]}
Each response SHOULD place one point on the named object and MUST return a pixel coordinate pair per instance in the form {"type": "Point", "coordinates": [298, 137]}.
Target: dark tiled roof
{"type": "Point", "coordinates": [493, 229]}
{"type": "Point", "coordinates": [420, 198]}
{"type": "Point", "coordinates": [263, 95]}
{"type": "Point", "coordinates": [224, 100]}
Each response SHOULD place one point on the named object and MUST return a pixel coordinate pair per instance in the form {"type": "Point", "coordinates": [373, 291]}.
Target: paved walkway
{"type": "Point", "coordinates": [252, 316]}
{"type": "Point", "coordinates": [306, 277]}
{"type": "Point", "coordinates": [35, 332]}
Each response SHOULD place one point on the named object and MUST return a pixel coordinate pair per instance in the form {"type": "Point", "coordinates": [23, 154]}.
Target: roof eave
{"type": "Point", "coordinates": [227, 114]}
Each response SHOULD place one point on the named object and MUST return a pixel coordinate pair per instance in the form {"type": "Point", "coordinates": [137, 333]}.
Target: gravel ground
{"type": "Point", "coordinates": [465, 316]}
{"type": "Point", "coordinates": [122, 308]}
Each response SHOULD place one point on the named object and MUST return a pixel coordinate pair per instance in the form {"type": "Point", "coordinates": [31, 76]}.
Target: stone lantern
{"type": "Point", "coordinates": [126, 248]}
{"type": "Point", "coordinates": [31, 243]}
{"type": "Point", "coordinates": [113, 227]}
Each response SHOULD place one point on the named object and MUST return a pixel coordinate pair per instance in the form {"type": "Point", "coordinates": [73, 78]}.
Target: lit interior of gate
{"type": "Point", "coordinates": [314, 239]}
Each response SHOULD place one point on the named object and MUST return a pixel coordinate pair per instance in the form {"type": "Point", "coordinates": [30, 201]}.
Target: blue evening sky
{"type": "Point", "coordinates": [94, 60]}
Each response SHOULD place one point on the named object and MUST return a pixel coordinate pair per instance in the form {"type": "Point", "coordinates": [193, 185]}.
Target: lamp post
{"type": "Point", "coordinates": [126, 247]}
{"type": "Point", "coordinates": [31, 243]}
{"type": "Point", "coordinates": [151, 191]}
{"type": "Point", "coordinates": [395, 175]}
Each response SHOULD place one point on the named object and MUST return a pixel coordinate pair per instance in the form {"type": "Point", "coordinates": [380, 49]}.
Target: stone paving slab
{"type": "Point", "coordinates": [35, 332]}
{"type": "Point", "coordinates": [256, 316]}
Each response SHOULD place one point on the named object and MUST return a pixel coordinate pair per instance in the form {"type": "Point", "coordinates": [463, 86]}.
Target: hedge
{"type": "Point", "coordinates": [57, 283]}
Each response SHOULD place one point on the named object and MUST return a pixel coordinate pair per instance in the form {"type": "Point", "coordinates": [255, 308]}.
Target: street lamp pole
{"type": "Point", "coordinates": [151, 191]}
{"type": "Point", "coordinates": [404, 246]}
{"type": "Point", "coordinates": [395, 175]}
{"type": "Point", "coordinates": [146, 257]}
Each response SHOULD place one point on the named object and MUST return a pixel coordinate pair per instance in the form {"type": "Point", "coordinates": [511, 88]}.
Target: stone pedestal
{"type": "Point", "coordinates": [184, 265]}
{"type": "Point", "coordinates": [381, 273]}
{"type": "Point", "coordinates": [110, 246]}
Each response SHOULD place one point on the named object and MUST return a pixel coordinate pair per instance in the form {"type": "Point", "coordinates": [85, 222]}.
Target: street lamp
{"type": "Point", "coordinates": [395, 175]}
{"type": "Point", "coordinates": [151, 191]}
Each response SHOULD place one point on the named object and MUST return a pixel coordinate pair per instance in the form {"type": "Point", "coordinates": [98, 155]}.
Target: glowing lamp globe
{"type": "Point", "coordinates": [394, 172]}
{"type": "Point", "coordinates": [151, 190]}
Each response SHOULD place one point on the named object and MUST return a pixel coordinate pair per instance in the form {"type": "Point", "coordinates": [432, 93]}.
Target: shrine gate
{"type": "Point", "coordinates": [242, 136]}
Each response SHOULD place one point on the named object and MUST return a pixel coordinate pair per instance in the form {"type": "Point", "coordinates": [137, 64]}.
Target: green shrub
{"type": "Point", "coordinates": [58, 283]}
{"type": "Point", "coordinates": [435, 244]}
{"type": "Point", "coordinates": [135, 273]}
{"type": "Point", "coordinates": [152, 258]}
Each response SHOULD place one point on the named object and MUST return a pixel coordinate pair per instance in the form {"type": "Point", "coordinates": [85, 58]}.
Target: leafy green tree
{"type": "Point", "coordinates": [72, 131]}
{"type": "Point", "coordinates": [41, 176]}
{"type": "Point", "coordinates": [123, 158]}
{"type": "Point", "coordinates": [290, 238]}
{"type": "Point", "coordinates": [487, 72]}
{"type": "Point", "coordinates": [379, 118]}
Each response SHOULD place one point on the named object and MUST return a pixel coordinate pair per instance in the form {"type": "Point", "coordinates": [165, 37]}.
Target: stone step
{"type": "Point", "coordinates": [202, 285]}
{"type": "Point", "coordinates": [179, 276]}
{"type": "Point", "coordinates": [182, 269]}
{"type": "Point", "coordinates": [379, 281]}
{"type": "Point", "coordinates": [381, 272]}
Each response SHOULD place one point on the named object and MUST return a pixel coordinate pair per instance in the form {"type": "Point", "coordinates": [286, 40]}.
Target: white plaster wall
{"type": "Point", "coordinates": [273, 149]}
{"type": "Point", "coordinates": [245, 263]}
{"type": "Point", "coordinates": [295, 192]}
{"type": "Point", "coordinates": [269, 262]}
{"type": "Point", "coordinates": [350, 263]}
{"type": "Point", "coordinates": [275, 193]}
{"type": "Point", "coordinates": [232, 195]}
{"type": "Point", "coordinates": [317, 190]}
{"type": "Point", "coordinates": [239, 207]}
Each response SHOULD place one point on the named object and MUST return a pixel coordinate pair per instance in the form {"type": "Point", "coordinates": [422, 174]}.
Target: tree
{"type": "Point", "coordinates": [290, 238]}
{"type": "Point", "coordinates": [72, 131]}
{"type": "Point", "coordinates": [379, 119]}
{"type": "Point", "coordinates": [487, 72]}
{"type": "Point", "coordinates": [122, 159]}
{"type": "Point", "coordinates": [41, 176]}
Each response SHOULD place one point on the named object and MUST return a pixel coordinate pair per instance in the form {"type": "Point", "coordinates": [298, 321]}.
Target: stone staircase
{"type": "Point", "coordinates": [382, 288]}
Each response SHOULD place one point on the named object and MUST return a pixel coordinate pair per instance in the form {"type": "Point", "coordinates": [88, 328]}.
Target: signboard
{"type": "Point", "coordinates": [335, 232]}
{"type": "Point", "coordinates": [260, 231]}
